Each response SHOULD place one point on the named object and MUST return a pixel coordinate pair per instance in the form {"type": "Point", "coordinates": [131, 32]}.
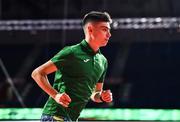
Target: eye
{"type": "Point", "coordinates": [104, 29]}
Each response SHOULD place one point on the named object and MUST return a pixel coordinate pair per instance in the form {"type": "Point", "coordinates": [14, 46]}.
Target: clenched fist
{"type": "Point", "coordinates": [63, 99]}
{"type": "Point", "coordinates": [106, 96]}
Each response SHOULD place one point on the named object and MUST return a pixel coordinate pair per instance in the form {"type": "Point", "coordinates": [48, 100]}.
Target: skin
{"type": "Point", "coordinates": [97, 35]}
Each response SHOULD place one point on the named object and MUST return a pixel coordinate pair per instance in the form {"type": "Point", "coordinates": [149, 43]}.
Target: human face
{"type": "Point", "coordinates": [100, 33]}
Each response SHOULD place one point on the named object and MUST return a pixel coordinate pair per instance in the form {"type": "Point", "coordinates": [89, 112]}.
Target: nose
{"type": "Point", "coordinates": [109, 34]}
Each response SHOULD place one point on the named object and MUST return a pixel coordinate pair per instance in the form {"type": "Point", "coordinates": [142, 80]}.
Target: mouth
{"type": "Point", "coordinates": [106, 40]}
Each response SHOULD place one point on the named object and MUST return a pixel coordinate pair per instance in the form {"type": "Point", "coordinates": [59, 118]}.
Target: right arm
{"type": "Point", "coordinates": [40, 76]}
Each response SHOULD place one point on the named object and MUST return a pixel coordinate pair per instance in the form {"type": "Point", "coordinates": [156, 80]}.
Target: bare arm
{"type": "Point", "coordinates": [97, 93]}
{"type": "Point", "coordinates": [40, 76]}
{"type": "Point", "coordinates": [100, 95]}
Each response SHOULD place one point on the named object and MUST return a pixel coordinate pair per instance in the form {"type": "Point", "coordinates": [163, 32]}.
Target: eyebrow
{"type": "Point", "coordinates": [105, 27]}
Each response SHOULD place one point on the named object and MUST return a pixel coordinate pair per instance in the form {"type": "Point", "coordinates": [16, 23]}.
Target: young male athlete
{"type": "Point", "coordinates": [79, 72]}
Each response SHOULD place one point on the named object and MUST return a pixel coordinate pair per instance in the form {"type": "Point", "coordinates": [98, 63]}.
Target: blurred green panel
{"type": "Point", "coordinates": [96, 114]}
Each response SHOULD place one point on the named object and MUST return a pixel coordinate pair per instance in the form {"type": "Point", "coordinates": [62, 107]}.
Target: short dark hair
{"type": "Point", "coordinates": [95, 16]}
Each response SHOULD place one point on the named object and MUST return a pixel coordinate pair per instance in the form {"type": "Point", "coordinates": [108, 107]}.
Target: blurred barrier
{"type": "Point", "coordinates": [96, 114]}
{"type": "Point", "coordinates": [69, 24]}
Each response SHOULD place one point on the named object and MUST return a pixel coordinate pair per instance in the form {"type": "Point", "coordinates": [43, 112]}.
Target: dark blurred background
{"type": "Point", "coordinates": [144, 63]}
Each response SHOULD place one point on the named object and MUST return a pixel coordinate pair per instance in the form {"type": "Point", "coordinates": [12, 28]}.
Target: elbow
{"type": "Point", "coordinates": [34, 73]}
{"type": "Point", "coordinates": [37, 73]}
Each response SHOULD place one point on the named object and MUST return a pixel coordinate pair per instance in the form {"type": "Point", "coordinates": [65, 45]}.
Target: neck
{"type": "Point", "coordinates": [93, 45]}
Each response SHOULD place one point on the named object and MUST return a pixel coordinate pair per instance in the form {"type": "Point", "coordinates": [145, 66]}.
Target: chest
{"type": "Point", "coordinates": [87, 65]}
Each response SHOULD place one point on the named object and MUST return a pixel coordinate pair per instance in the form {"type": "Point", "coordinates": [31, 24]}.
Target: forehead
{"type": "Point", "coordinates": [102, 24]}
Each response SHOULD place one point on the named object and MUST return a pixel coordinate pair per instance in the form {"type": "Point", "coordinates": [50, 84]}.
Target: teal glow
{"type": "Point", "coordinates": [96, 114]}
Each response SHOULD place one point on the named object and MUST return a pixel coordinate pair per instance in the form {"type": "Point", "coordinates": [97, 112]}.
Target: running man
{"type": "Point", "coordinates": [79, 72]}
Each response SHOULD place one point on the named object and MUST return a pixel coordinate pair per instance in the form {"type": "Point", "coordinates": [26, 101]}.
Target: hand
{"type": "Point", "coordinates": [106, 96]}
{"type": "Point", "coordinates": [63, 99]}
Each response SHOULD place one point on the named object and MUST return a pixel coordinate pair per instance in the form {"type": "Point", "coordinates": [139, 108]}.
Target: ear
{"type": "Point", "coordinates": [89, 28]}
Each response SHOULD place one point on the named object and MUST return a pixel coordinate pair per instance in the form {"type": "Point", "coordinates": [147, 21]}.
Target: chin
{"type": "Point", "coordinates": [103, 45]}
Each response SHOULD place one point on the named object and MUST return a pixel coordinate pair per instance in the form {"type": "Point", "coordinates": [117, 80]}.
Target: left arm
{"type": "Point", "coordinates": [100, 95]}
